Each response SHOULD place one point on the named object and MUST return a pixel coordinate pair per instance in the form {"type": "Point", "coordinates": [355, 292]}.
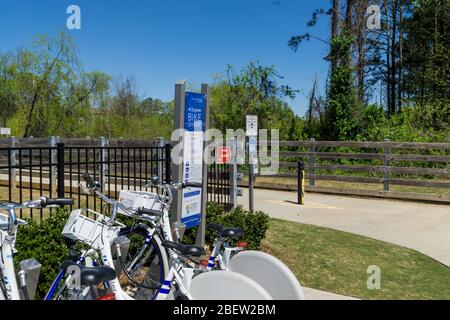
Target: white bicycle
{"type": "Point", "coordinates": [30, 268]}
{"type": "Point", "coordinates": [184, 279]}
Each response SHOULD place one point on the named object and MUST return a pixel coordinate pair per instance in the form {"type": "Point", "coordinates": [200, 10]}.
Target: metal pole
{"type": "Point", "coordinates": [168, 162]}
{"type": "Point", "coordinates": [250, 181]}
{"type": "Point", "coordinates": [200, 238]}
{"type": "Point", "coordinates": [233, 173]}
{"type": "Point", "coordinates": [13, 161]}
{"type": "Point", "coordinates": [53, 142]}
{"type": "Point", "coordinates": [160, 162]}
{"type": "Point", "coordinates": [60, 169]}
{"type": "Point", "coordinates": [177, 168]}
{"type": "Point", "coordinates": [103, 167]}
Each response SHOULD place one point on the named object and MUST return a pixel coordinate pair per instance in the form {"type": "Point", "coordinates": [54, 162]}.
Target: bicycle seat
{"type": "Point", "coordinates": [225, 232]}
{"type": "Point", "coordinates": [91, 276]}
{"type": "Point", "coordinates": [184, 249]}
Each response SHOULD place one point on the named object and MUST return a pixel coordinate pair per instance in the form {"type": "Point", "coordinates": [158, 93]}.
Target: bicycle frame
{"type": "Point", "coordinates": [8, 237]}
{"type": "Point", "coordinates": [222, 256]}
{"type": "Point", "coordinates": [7, 268]}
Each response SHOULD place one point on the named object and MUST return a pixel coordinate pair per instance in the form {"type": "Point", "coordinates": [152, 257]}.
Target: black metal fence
{"type": "Point", "coordinates": [31, 168]}
{"type": "Point", "coordinates": [219, 184]}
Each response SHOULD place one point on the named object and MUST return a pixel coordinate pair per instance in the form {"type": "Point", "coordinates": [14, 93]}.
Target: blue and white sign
{"type": "Point", "coordinates": [194, 125]}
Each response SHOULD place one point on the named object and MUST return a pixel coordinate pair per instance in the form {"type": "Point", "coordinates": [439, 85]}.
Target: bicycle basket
{"type": "Point", "coordinates": [138, 199]}
{"type": "Point", "coordinates": [81, 228]}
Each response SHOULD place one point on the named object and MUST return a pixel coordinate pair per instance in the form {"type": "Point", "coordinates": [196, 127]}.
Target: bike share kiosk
{"type": "Point", "coordinates": [188, 164]}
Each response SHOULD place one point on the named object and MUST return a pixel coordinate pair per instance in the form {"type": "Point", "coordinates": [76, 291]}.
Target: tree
{"type": "Point", "coordinates": [341, 113]}
{"type": "Point", "coordinates": [254, 90]}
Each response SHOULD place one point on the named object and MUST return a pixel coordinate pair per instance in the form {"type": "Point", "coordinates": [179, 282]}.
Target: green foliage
{"type": "Point", "coordinates": [44, 91]}
{"type": "Point", "coordinates": [414, 124]}
{"type": "Point", "coordinates": [44, 242]}
{"type": "Point", "coordinates": [426, 52]}
{"type": "Point", "coordinates": [340, 120]}
{"type": "Point", "coordinates": [254, 90]}
{"type": "Point", "coordinates": [254, 224]}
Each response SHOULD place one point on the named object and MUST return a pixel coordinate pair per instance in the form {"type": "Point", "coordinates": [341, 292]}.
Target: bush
{"type": "Point", "coordinates": [254, 224]}
{"type": "Point", "coordinates": [44, 242]}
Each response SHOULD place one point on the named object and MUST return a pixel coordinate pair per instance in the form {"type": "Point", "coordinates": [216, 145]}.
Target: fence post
{"type": "Point", "coordinates": [160, 161]}
{"type": "Point", "coordinates": [386, 163]}
{"type": "Point", "coordinates": [301, 182]}
{"type": "Point", "coordinates": [13, 161]}
{"type": "Point", "coordinates": [233, 173]}
{"type": "Point", "coordinates": [60, 169]}
{"type": "Point", "coordinates": [103, 167]}
{"type": "Point", "coordinates": [53, 157]}
{"type": "Point", "coordinates": [168, 162]}
{"type": "Point", "coordinates": [312, 162]}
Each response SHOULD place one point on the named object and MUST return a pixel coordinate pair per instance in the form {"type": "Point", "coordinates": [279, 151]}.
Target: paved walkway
{"type": "Point", "coordinates": [420, 226]}
{"type": "Point", "coordinates": [314, 294]}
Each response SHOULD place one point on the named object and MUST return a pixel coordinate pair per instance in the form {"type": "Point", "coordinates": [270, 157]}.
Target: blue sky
{"type": "Point", "coordinates": [160, 42]}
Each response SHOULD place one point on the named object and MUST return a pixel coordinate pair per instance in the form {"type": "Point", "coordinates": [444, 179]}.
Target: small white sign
{"type": "Point", "coordinates": [252, 126]}
{"type": "Point", "coordinates": [6, 131]}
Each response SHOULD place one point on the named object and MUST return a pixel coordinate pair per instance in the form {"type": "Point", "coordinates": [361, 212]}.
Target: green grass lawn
{"type": "Point", "coordinates": [337, 262]}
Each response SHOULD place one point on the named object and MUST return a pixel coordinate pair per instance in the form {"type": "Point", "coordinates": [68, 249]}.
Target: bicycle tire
{"type": "Point", "coordinates": [153, 276]}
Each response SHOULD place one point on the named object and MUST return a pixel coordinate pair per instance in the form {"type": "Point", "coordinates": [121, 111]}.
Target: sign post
{"type": "Point", "coordinates": [200, 238]}
{"type": "Point", "coordinates": [252, 133]}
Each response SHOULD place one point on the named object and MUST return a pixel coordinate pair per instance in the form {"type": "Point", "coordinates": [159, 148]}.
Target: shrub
{"type": "Point", "coordinates": [254, 224]}
{"type": "Point", "coordinates": [44, 242]}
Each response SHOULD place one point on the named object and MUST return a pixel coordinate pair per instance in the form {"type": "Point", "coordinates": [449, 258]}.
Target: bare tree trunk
{"type": "Point", "coordinates": [400, 58]}
{"type": "Point", "coordinates": [348, 26]}
{"type": "Point", "coordinates": [334, 30]}
{"type": "Point", "coordinates": [361, 42]}
{"type": "Point", "coordinates": [312, 100]}
{"type": "Point", "coordinates": [393, 56]}
{"type": "Point", "coordinates": [388, 60]}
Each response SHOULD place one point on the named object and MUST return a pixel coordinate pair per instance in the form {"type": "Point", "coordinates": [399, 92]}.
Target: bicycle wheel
{"type": "Point", "coordinates": [146, 265]}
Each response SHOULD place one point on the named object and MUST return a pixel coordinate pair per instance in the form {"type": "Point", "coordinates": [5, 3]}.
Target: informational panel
{"type": "Point", "coordinates": [5, 131]}
{"type": "Point", "coordinates": [194, 125]}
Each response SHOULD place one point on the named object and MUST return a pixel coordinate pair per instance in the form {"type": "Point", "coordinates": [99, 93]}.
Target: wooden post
{"type": "Point", "coordinates": [312, 162]}
{"type": "Point", "coordinates": [301, 183]}
{"type": "Point", "coordinates": [386, 163]}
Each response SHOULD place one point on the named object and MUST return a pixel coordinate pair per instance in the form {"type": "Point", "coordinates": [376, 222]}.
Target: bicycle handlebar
{"type": "Point", "coordinates": [33, 204]}
{"type": "Point", "coordinates": [150, 212]}
{"type": "Point", "coordinates": [192, 184]}
{"type": "Point", "coordinates": [61, 202]}
{"type": "Point", "coordinates": [91, 184]}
